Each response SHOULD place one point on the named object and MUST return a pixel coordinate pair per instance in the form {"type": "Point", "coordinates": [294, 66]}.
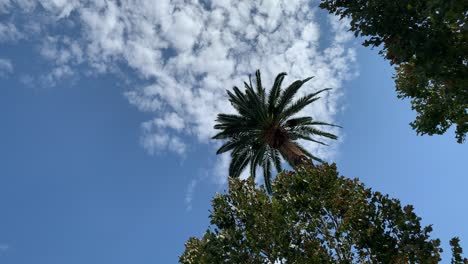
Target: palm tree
{"type": "Point", "coordinates": [265, 128]}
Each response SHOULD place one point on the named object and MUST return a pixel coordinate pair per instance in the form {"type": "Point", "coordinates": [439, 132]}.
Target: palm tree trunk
{"type": "Point", "coordinates": [293, 154]}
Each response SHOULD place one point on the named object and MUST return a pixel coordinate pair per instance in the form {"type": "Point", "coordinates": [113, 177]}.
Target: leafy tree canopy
{"type": "Point", "coordinates": [427, 41]}
{"type": "Point", "coordinates": [314, 216]}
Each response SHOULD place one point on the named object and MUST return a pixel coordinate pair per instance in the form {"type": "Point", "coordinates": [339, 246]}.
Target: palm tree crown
{"type": "Point", "coordinates": [265, 127]}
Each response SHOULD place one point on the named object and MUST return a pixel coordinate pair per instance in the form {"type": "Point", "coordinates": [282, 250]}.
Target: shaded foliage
{"type": "Point", "coordinates": [427, 41]}
{"type": "Point", "coordinates": [266, 128]}
{"type": "Point", "coordinates": [457, 252]}
{"type": "Point", "coordinates": [314, 216]}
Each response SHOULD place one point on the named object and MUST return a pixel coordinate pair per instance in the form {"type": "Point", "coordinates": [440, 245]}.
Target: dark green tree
{"type": "Point", "coordinates": [457, 252]}
{"type": "Point", "coordinates": [427, 41]}
{"type": "Point", "coordinates": [266, 129]}
{"type": "Point", "coordinates": [314, 216]}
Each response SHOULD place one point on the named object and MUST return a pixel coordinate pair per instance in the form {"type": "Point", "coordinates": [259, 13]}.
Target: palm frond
{"type": "Point", "coordinates": [308, 154]}
{"type": "Point", "coordinates": [298, 121]}
{"type": "Point", "coordinates": [296, 136]}
{"type": "Point", "coordinates": [275, 156]}
{"type": "Point", "coordinates": [305, 121]}
{"type": "Point", "coordinates": [255, 102]}
{"type": "Point", "coordinates": [238, 163]}
{"type": "Point", "coordinates": [320, 91]}
{"type": "Point", "coordinates": [233, 143]}
{"type": "Point", "coordinates": [238, 93]}
{"type": "Point", "coordinates": [225, 118]}
{"type": "Point", "coordinates": [297, 106]}
{"type": "Point", "coordinates": [319, 123]}
{"type": "Point", "coordinates": [258, 155]}
{"type": "Point", "coordinates": [260, 89]}
{"type": "Point", "coordinates": [288, 94]}
{"type": "Point", "coordinates": [275, 91]}
{"type": "Point", "coordinates": [225, 121]}
{"type": "Point", "coordinates": [267, 175]}
{"type": "Point", "coordinates": [235, 130]}
{"type": "Point", "coordinates": [313, 131]}
{"type": "Point", "coordinates": [238, 101]}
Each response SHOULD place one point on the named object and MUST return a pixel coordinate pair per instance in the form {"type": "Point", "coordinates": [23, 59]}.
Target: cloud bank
{"type": "Point", "coordinates": [188, 53]}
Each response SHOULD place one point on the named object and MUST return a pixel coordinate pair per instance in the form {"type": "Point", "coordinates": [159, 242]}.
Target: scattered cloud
{"type": "Point", "coordinates": [9, 32]}
{"type": "Point", "coordinates": [4, 247]}
{"type": "Point", "coordinates": [6, 67]}
{"type": "Point", "coordinates": [27, 80]}
{"type": "Point", "coordinates": [169, 120]}
{"type": "Point", "coordinates": [64, 54]}
{"type": "Point", "coordinates": [189, 53]}
{"type": "Point", "coordinates": [162, 142]}
{"type": "Point", "coordinates": [189, 194]}
{"type": "Point", "coordinates": [221, 168]}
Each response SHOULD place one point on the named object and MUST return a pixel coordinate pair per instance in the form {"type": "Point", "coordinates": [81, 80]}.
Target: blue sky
{"type": "Point", "coordinates": [107, 111]}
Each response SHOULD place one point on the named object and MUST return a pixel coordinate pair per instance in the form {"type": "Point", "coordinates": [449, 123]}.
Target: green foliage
{"type": "Point", "coordinates": [314, 216]}
{"type": "Point", "coordinates": [265, 127]}
{"type": "Point", "coordinates": [457, 252]}
{"type": "Point", "coordinates": [427, 41]}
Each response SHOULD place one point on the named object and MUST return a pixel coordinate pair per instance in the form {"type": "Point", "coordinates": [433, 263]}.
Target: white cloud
{"type": "Point", "coordinates": [4, 5]}
{"type": "Point", "coordinates": [6, 67]}
{"type": "Point", "coordinates": [60, 8]}
{"type": "Point", "coordinates": [9, 32]}
{"type": "Point", "coordinates": [170, 120]}
{"type": "Point", "coordinates": [26, 5]}
{"type": "Point", "coordinates": [62, 50]}
{"type": "Point", "coordinates": [220, 170]}
{"type": "Point", "coordinates": [189, 53]}
{"type": "Point", "coordinates": [189, 194]}
{"type": "Point", "coordinates": [57, 73]}
{"type": "Point", "coordinates": [341, 26]}
{"type": "Point", "coordinates": [311, 33]}
{"type": "Point", "coordinates": [184, 28]}
{"type": "Point", "coordinates": [158, 142]}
